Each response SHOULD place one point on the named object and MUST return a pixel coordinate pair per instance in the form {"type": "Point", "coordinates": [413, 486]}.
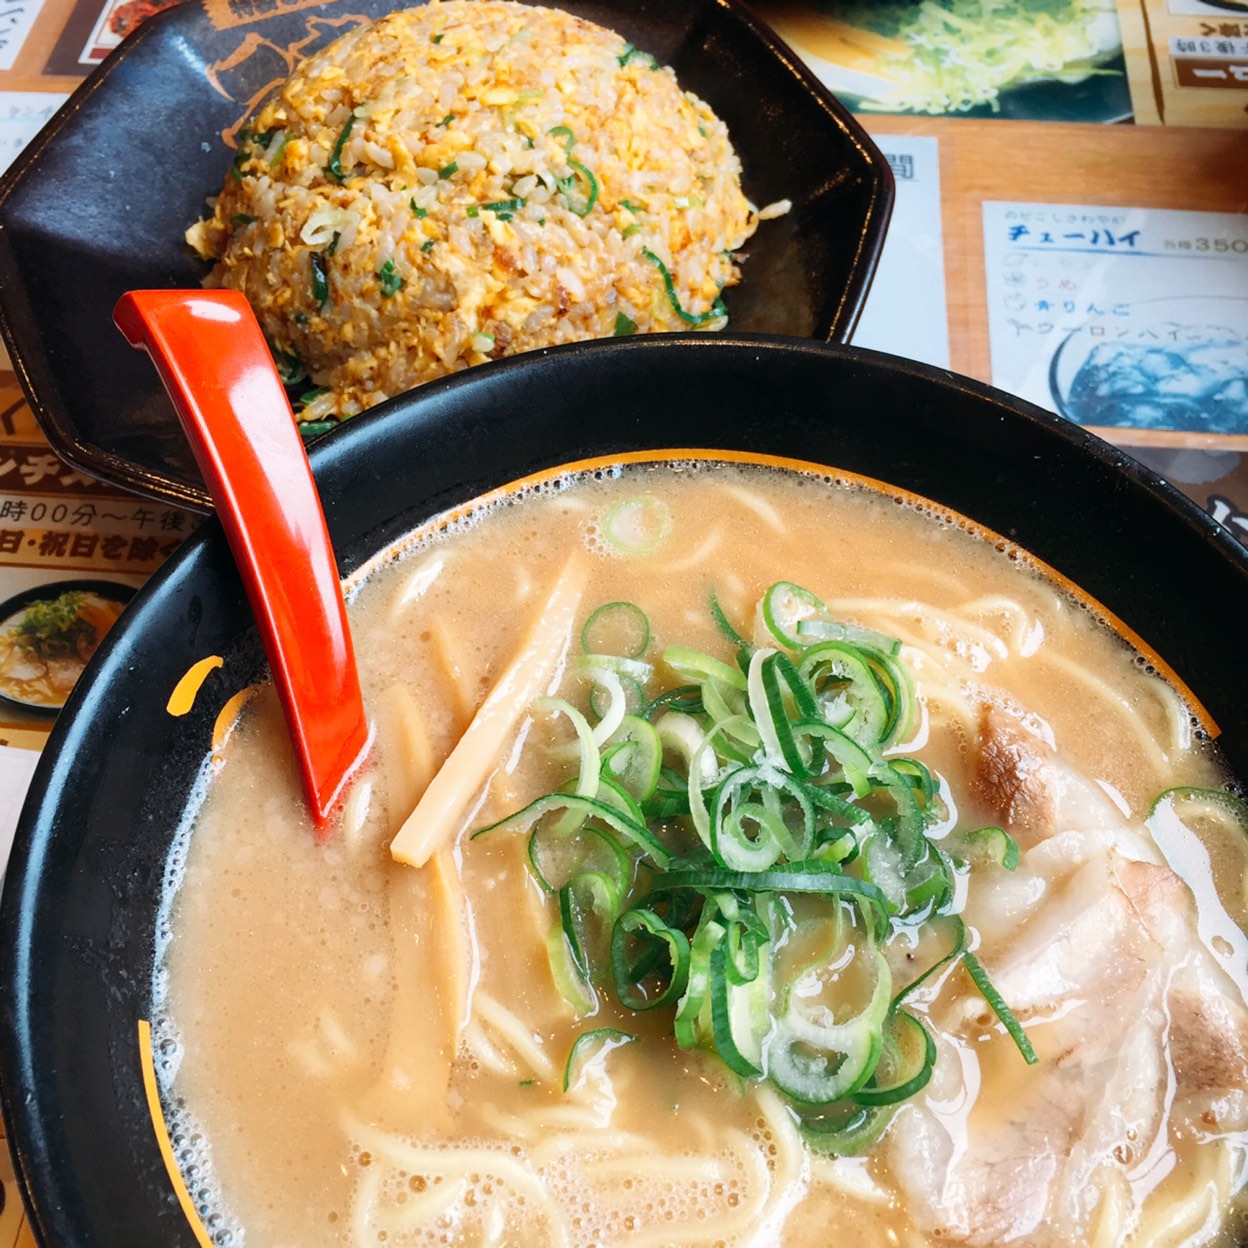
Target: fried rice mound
{"type": "Point", "coordinates": [468, 180]}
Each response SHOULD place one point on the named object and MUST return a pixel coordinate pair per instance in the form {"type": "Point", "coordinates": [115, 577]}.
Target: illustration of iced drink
{"type": "Point", "coordinates": [1156, 372]}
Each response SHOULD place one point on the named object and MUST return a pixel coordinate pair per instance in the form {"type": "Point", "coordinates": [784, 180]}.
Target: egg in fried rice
{"type": "Point", "coordinates": [467, 180]}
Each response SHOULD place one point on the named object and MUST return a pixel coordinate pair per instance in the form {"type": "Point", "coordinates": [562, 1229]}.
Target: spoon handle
{"type": "Point", "coordinates": [216, 366]}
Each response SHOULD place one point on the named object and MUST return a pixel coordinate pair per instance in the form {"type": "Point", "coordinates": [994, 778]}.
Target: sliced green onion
{"type": "Point", "coordinates": [801, 877]}
{"type": "Point", "coordinates": [320, 279]}
{"type": "Point", "coordinates": [905, 1065]}
{"type": "Point", "coordinates": [615, 794]}
{"type": "Point", "coordinates": [638, 834]}
{"type": "Point", "coordinates": [290, 368]}
{"type": "Point", "coordinates": [697, 665]}
{"type": "Point", "coordinates": [739, 1017]}
{"type": "Point", "coordinates": [617, 628]}
{"type": "Point", "coordinates": [625, 326]}
{"type": "Point", "coordinates": [631, 54]}
{"type": "Point", "coordinates": [503, 205]}
{"type": "Point", "coordinates": [733, 839]}
{"type": "Point", "coordinates": [855, 763]}
{"type": "Point", "coordinates": [314, 428]}
{"type": "Point", "coordinates": [391, 282]}
{"type": "Point", "coordinates": [684, 700]}
{"type": "Point", "coordinates": [279, 148]}
{"type": "Point", "coordinates": [957, 940]}
{"type": "Point", "coordinates": [919, 779]}
{"type": "Point", "coordinates": [558, 855]}
{"type": "Point", "coordinates": [999, 1007]}
{"type": "Point", "coordinates": [638, 526]}
{"type": "Point", "coordinates": [588, 897]}
{"type": "Point", "coordinates": [722, 622]}
{"type": "Point", "coordinates": [715, 311]}
{"type": "Point", "coordinates": [334, 168]}
{"type": "Point", "coordinates": [811, 1075]}
{"type": "Point", "coordinates": [599, 1042]}
{"type": "Point", "coordinates": [778, 698]}
{"type": "Point", "coordinates": [629, 989]}
{"type": "Point", "coordinates": [810, 631]}
{"type": "Point", "coordinates": [846, 1129]}
{"type": "Point", "coordinates": [733, 812]}
{"type": "Point", "coordinates": [636, 759]}
{"type": "Point", "coordinates": [610, 712]}
{"type": "Point", "coordinates": [581, 205]}
{"type": "Point", "coordinates": [574, 987]}
{"type": "Point", "coordinates": [784, 607]}
{"type": "Point", "coordinates": [1190, 802]}
{"type": "Point", "coordinates": [992, 845]}
{"type": "Point", "coordinates": [845, 674]}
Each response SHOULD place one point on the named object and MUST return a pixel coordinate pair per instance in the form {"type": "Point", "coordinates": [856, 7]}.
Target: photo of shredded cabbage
{"type": "Point", "coordinates": [953, 56]}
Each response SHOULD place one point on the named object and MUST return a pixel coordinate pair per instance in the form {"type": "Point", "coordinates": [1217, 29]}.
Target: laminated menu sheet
{"type": "Point", "coordinates": [1129, 321]}
{"type": "Point", "coordinates": [67, 542]}
{"type": "Point", "coordinates": [905, 309]}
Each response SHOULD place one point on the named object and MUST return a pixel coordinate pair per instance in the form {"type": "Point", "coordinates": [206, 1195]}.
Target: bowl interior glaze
{"type": "Point", "coordinates": [77, 934]}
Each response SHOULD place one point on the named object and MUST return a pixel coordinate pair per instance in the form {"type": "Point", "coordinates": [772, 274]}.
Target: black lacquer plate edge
{"type": "Point", "coordinates": [353, 462]}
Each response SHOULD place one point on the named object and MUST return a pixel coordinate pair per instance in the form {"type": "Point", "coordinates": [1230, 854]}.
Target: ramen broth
{"type": "Point", "coordinates": [356, 1051]}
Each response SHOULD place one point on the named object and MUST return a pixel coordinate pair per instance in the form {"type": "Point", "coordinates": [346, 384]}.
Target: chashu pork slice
{"type": "Point", "coordinates": [1141, 1034]}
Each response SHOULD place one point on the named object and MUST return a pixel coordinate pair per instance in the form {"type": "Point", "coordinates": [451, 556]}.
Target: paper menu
{"type": "Point", "coordinates": [1130, 321]}
{"type": "Point", "coordinates": [905, 313]}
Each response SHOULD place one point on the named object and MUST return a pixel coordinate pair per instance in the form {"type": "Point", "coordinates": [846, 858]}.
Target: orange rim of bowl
{"type": "Point", "coordinates": [1003, 544]}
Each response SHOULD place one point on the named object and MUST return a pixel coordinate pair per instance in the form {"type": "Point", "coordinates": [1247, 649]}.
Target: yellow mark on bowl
{"type": "Point", "coordinates": [148, 1065]}
{"type": "Point", "coordinates": [228, 717]}
{"type": "Point", "coordinates": [183, 696]}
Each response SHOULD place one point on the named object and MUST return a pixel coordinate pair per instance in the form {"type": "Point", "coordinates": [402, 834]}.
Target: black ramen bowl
{"type": "Point", "coordinates": [99, 202]}
{"type": "Point", "coordinates": [80, 899]}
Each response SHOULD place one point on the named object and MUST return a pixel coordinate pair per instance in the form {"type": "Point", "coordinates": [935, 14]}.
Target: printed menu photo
{"type": "Point", "coordinates": [1041, 59]}
{"type": "Point", "coordinates": [94, 28]}
{"type": "Point", "coordinates": [1129, 321]}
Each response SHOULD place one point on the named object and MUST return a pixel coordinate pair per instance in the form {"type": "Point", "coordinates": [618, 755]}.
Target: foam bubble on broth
{"type": "Point", "coordinates": [503, 553]}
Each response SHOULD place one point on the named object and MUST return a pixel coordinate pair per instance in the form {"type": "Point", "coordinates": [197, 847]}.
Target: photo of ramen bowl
{"type": "Point", "coordinates": [93, 948]}
{"type": "Point", "coordinates": [48, 634]}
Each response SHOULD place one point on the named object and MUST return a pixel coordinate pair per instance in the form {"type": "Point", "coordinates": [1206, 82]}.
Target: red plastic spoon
{"type": "Point", "coordinates": [214, 362]}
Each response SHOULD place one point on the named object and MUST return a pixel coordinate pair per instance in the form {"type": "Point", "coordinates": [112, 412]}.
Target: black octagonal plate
{"type": "Point", "coordinates": [99, 202]}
